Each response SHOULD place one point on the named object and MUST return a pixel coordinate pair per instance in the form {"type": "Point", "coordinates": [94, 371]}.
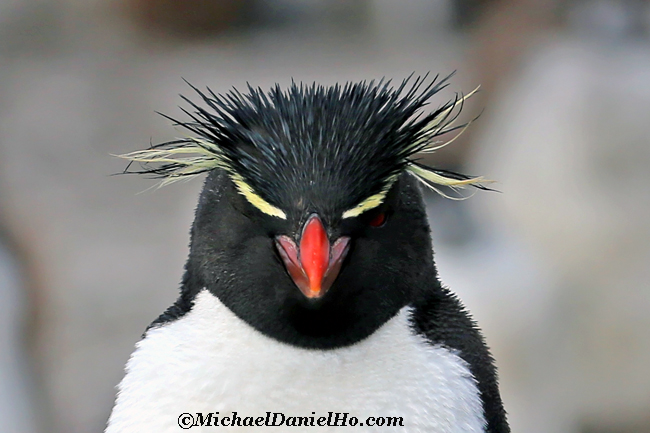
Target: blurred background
{"type": "Point", "coordinates": [555, 268]}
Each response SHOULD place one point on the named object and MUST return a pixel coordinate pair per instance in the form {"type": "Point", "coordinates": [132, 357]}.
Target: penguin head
{"type": "Point", "coordinates": [310, 225]}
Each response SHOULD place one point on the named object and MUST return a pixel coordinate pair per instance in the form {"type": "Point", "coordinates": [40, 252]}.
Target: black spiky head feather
{"type": "Point", "coordinates": [333, 149]}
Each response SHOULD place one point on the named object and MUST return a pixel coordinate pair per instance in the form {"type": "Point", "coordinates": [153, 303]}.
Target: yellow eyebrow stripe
{"type": "Point", "coordinates": [371, 202]}
{"type": "Point", "coordinates": [254, 199]}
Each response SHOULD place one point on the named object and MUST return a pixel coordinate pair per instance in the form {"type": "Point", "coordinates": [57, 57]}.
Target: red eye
{"type": "Point", "coordinates": [378, 220]}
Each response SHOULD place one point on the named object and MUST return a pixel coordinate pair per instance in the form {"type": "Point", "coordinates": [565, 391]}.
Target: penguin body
{"type": "Point", "coordinates": [209, 360]}
{"type": "Point", "coordinates": [310, 289]}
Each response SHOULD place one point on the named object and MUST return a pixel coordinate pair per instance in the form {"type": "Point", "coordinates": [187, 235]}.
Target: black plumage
{"type": "Point", "coordinates": [321, 151]}
{"type": "Point", "coordinates": [329, 147]}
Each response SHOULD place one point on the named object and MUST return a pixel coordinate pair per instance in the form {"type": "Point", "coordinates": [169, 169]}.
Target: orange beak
{"type": "Point", "coordinates": [315, 265]}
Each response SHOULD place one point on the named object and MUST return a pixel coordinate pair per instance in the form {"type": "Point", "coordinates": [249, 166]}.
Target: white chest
{"type": "Point", "coordinates": [211, 361]}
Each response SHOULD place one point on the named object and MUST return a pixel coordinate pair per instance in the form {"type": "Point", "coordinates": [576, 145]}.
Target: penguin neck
{"type": "Point", "coordinates": [300, 324]}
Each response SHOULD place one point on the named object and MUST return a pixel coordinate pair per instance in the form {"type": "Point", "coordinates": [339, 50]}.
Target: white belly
{"type": "Point", "coordinates": [211, 361]}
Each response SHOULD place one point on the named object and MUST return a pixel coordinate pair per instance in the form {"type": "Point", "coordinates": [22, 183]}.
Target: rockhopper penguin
{"type": "Point", "coordinates": [310, 293]}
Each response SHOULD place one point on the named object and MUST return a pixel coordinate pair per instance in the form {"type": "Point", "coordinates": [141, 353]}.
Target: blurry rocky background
{"type": "Point", "coordinates": [555, 267]}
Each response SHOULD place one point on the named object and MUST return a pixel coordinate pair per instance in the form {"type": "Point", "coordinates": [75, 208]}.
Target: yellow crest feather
{"type": "Point", "coordinates": [194, 158]}
{"type": "Point", "coordinates": [438, 126]}
{"type": "Point", "coordinates": [371, 202]}
{"type": "Point", "coordinates": [254, 199]}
